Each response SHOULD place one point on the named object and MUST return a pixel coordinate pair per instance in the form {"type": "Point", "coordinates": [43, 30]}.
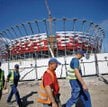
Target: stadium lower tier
{"type": "Point", "coordinates": [60, 44]}
{"type": "Point", "coordinates": [22, 49]}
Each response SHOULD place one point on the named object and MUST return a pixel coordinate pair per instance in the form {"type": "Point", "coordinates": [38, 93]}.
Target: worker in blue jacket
{"type": "Point", "coordinates": [78, 85]}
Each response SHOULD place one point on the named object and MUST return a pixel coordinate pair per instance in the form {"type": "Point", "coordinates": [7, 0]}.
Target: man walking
{"type": "Point", "coordinates": [2, 80]}
{"type": "Point", "coordinates": [50, 84]}
{"type": "Point", "coordinates": [79, 87]}
{"type": "Point", "coordinates": [13, 78]}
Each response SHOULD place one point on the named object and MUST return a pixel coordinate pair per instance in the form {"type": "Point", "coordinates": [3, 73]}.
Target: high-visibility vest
{"type": "Point", "coordinates": [1, 79]}
{"type": "Point", "coordinates": [71, 74]}
{"type": "Point", "coordinates": [11, 79]}
{"type": "Point", "coordinates": [42, 94]}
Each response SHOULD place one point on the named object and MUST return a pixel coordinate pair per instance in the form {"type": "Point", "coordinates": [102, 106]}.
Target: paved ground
{"type": "Point", "coordinates": [28, 92]}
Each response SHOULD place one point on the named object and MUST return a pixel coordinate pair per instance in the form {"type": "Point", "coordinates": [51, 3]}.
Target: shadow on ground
{"type": "Point", "coordinates": [25, 101]}
{"type": "Point", "coordinates": [101, 78]}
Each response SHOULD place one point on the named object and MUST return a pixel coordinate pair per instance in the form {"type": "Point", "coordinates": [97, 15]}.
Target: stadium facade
{"type": "Point", "coordinates": [31, 44]}
{"type": "Point", "coordinates": [60, 37]}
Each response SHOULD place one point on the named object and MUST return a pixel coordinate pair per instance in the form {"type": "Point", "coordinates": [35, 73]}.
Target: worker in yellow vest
{"type": "Point", "coordinates": [78, 85]}
{"type": "Point", "coordinates": [13, 78]}
{"type": "Point", "coordinates": [2, 80]}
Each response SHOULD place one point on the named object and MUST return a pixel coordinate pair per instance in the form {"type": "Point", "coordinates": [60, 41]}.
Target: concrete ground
{"type": "Point", "coordinates": [28, 92]}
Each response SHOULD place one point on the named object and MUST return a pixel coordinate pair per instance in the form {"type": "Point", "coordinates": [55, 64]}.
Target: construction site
{"type": "Point", "coordinates": [32, 44]}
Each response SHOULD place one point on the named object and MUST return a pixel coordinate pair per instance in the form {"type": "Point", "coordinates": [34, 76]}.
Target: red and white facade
{"type": "Point", "coordinates": [39, 42]}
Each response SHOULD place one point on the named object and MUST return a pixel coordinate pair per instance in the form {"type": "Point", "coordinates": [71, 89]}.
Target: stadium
{"type": "Point", "coordinates": [31, 44]}
{"type": "Point", "coordinates": [25, 41]}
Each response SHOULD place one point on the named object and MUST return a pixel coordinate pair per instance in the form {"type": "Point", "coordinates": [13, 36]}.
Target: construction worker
{"type": "Point", "coordinates": [2, 80]}
{"type": "Point", "coordinates": [51, 86]}
{"type": "Point", "coordinates": [79, 87]}
{"type": "Point", "coordinates": [13, 78]}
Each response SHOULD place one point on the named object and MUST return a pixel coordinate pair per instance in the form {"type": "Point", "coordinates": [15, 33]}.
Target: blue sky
{"type": "Point", "coordinates": [14, 12]}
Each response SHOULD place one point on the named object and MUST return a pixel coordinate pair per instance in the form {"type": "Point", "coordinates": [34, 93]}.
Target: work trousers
{"type": "Point", "coordinates": [14, 90]}
{"type": "Point", "coordinates": [78, 93]}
